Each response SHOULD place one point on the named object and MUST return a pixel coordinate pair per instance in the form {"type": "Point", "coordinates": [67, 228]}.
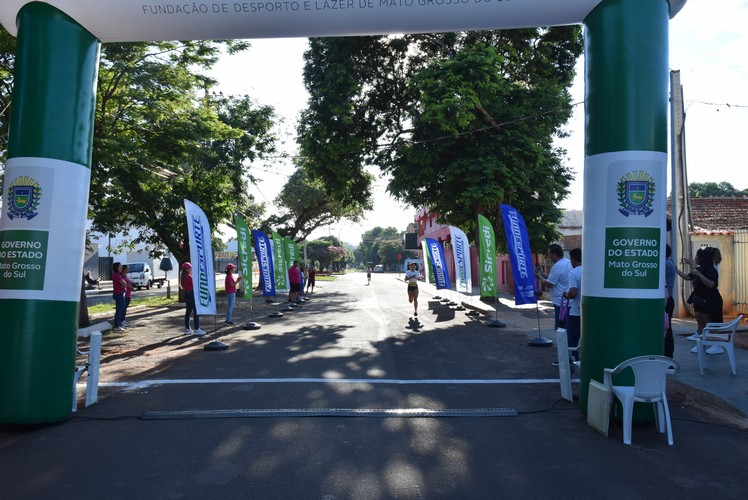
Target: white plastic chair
{"type": "Point", "coordinates": [718, 334]}
{"type": "Point", "coordinates": [650, 375]}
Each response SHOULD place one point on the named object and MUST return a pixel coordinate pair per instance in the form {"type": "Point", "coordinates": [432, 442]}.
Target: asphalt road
{"type": "Point", "coordinates": [288, 411]}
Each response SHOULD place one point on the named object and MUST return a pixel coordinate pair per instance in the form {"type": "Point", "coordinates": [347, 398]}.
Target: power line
{"type": "Point", "coordinates": [721, 105]}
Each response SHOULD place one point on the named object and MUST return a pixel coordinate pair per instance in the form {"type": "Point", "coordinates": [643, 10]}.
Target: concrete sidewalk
{"type": "Point", "coordinates": [718, 387]}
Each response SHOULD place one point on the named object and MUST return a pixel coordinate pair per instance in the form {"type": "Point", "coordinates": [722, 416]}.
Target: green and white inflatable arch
{"type": "Point", "coordinates": [45, 194]}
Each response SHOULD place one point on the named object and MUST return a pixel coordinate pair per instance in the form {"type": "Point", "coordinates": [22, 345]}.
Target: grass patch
{"type": "Point", "coordinates": [325, 277]}
{"type": "Point", "coordinates": [144, 301]}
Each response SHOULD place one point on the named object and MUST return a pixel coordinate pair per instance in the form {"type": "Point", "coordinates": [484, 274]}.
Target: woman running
{"type": "Point", "coordinates": [411, 277]}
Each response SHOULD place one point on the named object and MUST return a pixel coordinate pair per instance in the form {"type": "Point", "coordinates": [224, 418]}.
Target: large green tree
{"type": "Point", "coordinates": [462, 121]}
{"type": "Point", "coordinates": [335, 134]}
{"type": "Point", "coordinates": [162, 136]}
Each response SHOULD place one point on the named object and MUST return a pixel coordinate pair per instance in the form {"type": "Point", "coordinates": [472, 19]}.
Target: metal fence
{"type": "Point", "coordinates": [740, 252]}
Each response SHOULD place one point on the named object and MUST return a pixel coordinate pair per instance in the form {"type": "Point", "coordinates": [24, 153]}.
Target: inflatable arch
{"type": "Point", "coordinates": [45, 195]}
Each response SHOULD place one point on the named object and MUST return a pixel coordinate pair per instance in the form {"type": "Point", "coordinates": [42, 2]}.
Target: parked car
{"type": "Point", "coordinates": [379, 268]}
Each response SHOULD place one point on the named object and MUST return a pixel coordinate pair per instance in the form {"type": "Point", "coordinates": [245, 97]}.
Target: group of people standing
{"type": "Point", "coordinates": [564, 282]}
{"type": "Point", "coordinates": [122, 295]}
{"type": "Point", "coordinates": [297, 277]}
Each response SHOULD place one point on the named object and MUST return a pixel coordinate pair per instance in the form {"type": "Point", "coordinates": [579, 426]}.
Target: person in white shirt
{"type": "Point", "coordinates": [557, 280]}
{"type": "Point", "coordinates": [411, 278]}
{"type": "Point", "coordinates": [574, 294]}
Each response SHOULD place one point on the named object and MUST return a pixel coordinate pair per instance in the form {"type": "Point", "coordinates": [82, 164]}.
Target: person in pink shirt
{"type": "Point", "coordinates": [118, 294]}
{"type": "Point", "coordinates": [185, 283]}
{"type": "Point", "coordinates": [128, 293]}
{"type": "Point", "coordinates": [294, 279]}
{"type": "Point", "coordinates": [231, 291]}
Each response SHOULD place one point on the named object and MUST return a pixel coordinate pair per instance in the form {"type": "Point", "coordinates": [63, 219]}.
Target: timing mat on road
{"type": "Point", "coordinates": [330, 412]}
{"type": "Point", "coordinates": [142, 384]}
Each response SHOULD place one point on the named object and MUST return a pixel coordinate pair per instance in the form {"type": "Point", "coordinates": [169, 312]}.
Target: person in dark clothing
{"type": "Point", "coordinates": [669, 345]}
{"type": "Point", "coordinates": [706, 299]}
{"type": "Point", "coordinates": [310, 282]}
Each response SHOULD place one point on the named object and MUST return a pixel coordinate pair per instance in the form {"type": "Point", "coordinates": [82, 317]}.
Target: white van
{"type": "Point", "coordinates": [140, 274]}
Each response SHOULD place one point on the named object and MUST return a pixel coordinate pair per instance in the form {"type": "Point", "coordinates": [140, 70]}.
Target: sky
{"type": "Point", "coordinates": [708, 45]}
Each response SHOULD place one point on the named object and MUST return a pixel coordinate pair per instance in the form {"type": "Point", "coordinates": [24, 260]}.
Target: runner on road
{"type": "Point", "coordinates": [411, 277]}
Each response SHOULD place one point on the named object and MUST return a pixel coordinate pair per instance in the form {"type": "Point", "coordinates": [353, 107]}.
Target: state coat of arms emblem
{"type": "Point", "coordinates": [24, 195]}
{"type": "Point", "coordinates": [636, 193]}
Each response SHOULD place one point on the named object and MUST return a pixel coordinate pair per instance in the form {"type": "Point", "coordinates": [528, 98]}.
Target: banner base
{"type": "Point", "coordinates": [215, 346]}
{"type": "Point", "coordinates": [540, 342]}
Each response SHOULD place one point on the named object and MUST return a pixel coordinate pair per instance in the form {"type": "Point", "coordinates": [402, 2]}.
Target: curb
{"type": "Point", "coordinates": [690, 392]}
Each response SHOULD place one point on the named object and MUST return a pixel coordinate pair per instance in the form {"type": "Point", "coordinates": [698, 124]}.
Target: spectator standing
{"type": "Point", "coordinates": [557, 280]}
{"type": "Point", "coordinates": [185, 283]}
{"type": "Point", "coordinates": [304, 274]}
{"type": "Point", "coordinates": [294, 279]}
{"type": "Point", "coordinates": [706, 299]}
{"type": "Point", "coordinates": [128, 293]}
{"type": "Point", "coordinates": [118, 294]}
{"type": "Point", "coordinates": [574, 295]}
{"type": "Point", "coordinates": [310, 282]}
{"type": "Point", "coordinates": [669, 345]}
{"type": "Point", "coordinates": [230, 288]}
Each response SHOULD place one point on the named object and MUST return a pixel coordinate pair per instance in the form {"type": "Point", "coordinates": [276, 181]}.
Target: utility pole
{"type": "Point", "coordinates": [680, 237]}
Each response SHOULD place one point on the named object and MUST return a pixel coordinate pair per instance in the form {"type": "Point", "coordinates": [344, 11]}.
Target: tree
{"type": "Point", "coordinates": [325, 251]}
{"type": "Point", "coordinates": [372, 241]}
{"type": "Point", "coordinates": [304, 206]}
{"type": "Point", "coordinates": [462, 121]}
{"type": "Point", "coordinates": [390, 249]}
{"type": "Point", "coordinates": [161, 136]}
{"type": "Point", "coordinates": [338, 255]}
{"type": "Point", "coordinates": [714, 190]}
{"type": "Point", "coordinates": [332, 131]}
{"type": "Point", "coordinates": [7, 60]}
